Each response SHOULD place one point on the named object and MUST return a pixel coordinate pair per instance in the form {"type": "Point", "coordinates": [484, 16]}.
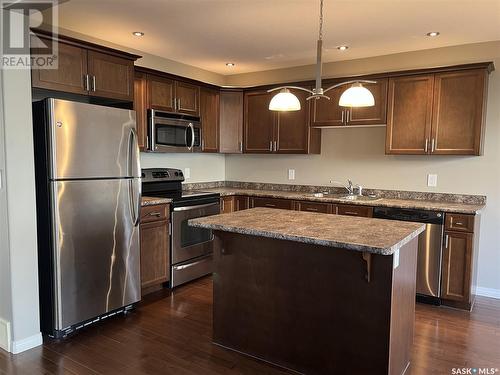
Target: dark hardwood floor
{"type": "Point", "coordinates": [172, 335]}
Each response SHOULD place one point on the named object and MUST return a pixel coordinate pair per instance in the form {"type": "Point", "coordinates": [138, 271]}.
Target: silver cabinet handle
{"type": "Point", "coordinates": [270, 205]}
{"type": "Point", "coordinates": [342, 117]}
{"type": "Point", "coordinates": [174, 104]}
{"type": "Point", "coordinates": [351, 213]}
{"type": "Point", "coordinates": [432, 145]}
{"type": "Point", "coordinates": [446, 241]}
{"type": "Point", "coordinates": [179, 104]}
{"type": "Point", "coordinates": [203, 145]}
{"type": "Point", "coordinates": [426, 145]}
{"type": "Point", "coordinates": [275, 145]}
{"type": "Point", "coordinates": [155, 214]}
{"type": "Point", "coordinates": [86, 82]}
{"type": "Point", "coordinates": [311, 209]}
{"type": "Point", "coordinates": [241, 146]}
{"type": "Point", "coordinates": [93, 83]}
{"type": "Point", "coordinates": [271, 146]}
{"type": "Point", "coordinates": [347, 116]}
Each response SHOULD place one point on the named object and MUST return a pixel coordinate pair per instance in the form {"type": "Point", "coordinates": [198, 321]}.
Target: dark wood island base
{"type": "Point", "coordinates": [314, 309]}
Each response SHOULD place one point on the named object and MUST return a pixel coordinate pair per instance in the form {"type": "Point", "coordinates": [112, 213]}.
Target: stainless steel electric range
{"type": "Point", "coordinates": [191, 248]}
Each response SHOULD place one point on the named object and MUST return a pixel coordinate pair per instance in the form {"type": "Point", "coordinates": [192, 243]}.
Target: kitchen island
{"type": "Point", "coordinates": [316, 293]}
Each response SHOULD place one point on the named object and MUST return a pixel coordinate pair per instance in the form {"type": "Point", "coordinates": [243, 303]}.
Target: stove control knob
{"type": "Point", "coordinates": [176, 173]}
{"type": "Point", "coordinates": [180, 174]}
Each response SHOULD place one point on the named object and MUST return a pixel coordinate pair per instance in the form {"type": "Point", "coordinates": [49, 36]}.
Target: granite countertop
{"type": "Point", "coordinates": [418, 204]}
{"type": "Point", "coordinates": [151, 201]}
{"type": "Point", "coordinates": [376, 236]}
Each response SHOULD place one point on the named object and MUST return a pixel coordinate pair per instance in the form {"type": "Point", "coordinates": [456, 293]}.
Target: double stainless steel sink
{"type": "Point", "coordinates": [349, 197]}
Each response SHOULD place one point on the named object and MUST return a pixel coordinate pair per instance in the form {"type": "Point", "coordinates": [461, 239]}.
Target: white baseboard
{"type": "Point", "coordinates": [5, 335]}
{"type": "Point", "coordinates": [27, 343]}
{"type": "Point", "coordinates": [488, 292]}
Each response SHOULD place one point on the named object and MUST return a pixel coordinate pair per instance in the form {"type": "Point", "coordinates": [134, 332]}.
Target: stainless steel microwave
{"type": "Point", "coordinates": [170, 132]}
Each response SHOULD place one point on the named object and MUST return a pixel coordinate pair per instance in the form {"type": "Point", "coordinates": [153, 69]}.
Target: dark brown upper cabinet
{"type": "Point", "coordinates": [168, 95]}
{"type": "Point", "coordinates": [231, 121]}
{"type": "Point", "coordinates": [459, 108]}
{"type": "Point", "coordinates": [328, 113]}
{"type": "Point", "coordinates": [437, 114]}
{"type": "Point", "coordinates": [268, 131]}
{"type": "Point", "coordinates": [161, 93]}
{"type": "Point", "coordinates": [209, 115]}
{"type": "Point", "coordinates": [409, 114]}
{"type": "Point", "coordinates": [140, 103]}
{"type": "Point", "coordinates": [87, 69]}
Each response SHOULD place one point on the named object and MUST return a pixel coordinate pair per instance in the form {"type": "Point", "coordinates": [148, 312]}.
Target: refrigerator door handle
{"type": "Point", "coordinates": [135, 200]}
{"type": "Point", "coordinates": [134, 164]}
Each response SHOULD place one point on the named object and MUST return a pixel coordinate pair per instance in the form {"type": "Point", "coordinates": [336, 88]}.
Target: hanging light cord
{"type": "Point", "coordinates": [320, 20]}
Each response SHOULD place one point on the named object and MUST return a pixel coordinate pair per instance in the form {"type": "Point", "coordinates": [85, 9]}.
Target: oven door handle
{"type": "Point", "coordinates": [189, 208]}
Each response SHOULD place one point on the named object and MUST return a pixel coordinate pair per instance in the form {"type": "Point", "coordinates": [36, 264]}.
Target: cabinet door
{"type": "Point", "coordinates": [154, 253]}
{"type": "Point", "coordinates": [231, 122]}
{"type": "Point", "coordinates": [328, 112]}
{"type": "Point", "coordinates": [258, 123]}
{"type": "Point", "coordinates": [458, 112]}
{"type": "Point", "coordinates": [188, 98]}
{"type": "Point", "coordinates": [292, 136]}
{"type": "Point", "coordinates": [209, 114]}
{"type": "Point", "coordinates": [375, 115]}
{"type": "Point", "coordinates": [409, 115]}
{"type": "Point", "coordinates": [140, 107]}
{"type": "Point", "coordinates": [226, 205]}
{"type": "Point", "coordinates": [111, 76]}
{"type": "Point", "coordinates": [160, 93]}
{"type": "Point", "coordinates": [241, 203]}
{"type": "Point", "coordinates": [456, 268]}
{"type": "Point", "coordinates": [70, 76]}
{"type": "Point", "coordinates": [352, 210]}
{"type": "Point", "coordinates": [284, 204]}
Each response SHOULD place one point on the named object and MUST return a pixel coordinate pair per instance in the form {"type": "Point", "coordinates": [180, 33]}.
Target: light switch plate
{"type": "Point", "coordinates": [187, 172]}
{"type": "Point", "coordinates": [432, 180]}
{"type": "Point", "coordinates": [291, 174]}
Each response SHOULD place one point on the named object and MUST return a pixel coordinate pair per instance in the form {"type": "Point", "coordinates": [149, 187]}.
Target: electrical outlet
{"type": "Point", "coordinates": [432, 180]}
{"type": "Point", "coordinates": [291, 174]}
{"type": "Point", "coordinates": [187, 172]}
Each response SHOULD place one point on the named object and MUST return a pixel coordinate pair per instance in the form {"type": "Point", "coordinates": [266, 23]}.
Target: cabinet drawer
{"type": "Point", "coordinates": [314, 207]}
{"type": "Point", "coordinates": [284, 204]}
{"type": "Point", "coordinates": [154, 213]}
{"type": "Point", "coordinates": [351, 210]}
{"type": "Point", "coordinates": [459, 222]}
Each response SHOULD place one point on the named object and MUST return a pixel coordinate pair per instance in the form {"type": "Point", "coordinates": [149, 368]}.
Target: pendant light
{"type": "Point", "coordinates": [355, 96]}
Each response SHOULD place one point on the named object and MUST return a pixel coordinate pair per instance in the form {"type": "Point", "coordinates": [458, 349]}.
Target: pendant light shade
{"type": "Point", "coordinates": [284, 101]}
{"type": "Point", "coordinates": [357, 96]}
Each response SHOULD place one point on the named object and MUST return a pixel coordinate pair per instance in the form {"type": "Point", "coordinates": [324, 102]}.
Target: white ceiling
{"type": "Point", "coordinates": [267, 34]}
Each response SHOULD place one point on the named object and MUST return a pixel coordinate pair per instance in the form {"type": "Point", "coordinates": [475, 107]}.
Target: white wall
{"type": "Point", "coordinates": [203, 167]}
{"type": "Point", "coordinates": [21, 212]}
{"type": "Point", "coordinates": [358, 153]}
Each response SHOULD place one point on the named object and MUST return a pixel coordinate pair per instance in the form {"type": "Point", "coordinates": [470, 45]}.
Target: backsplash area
{"type": "Point", "coordinates": [394, 194]}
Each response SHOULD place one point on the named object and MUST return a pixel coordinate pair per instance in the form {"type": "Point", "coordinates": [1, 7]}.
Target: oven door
{"type": "Point", "coordinates": [189, 242]}
{"type": "Point", "coordinates": [173, 134]}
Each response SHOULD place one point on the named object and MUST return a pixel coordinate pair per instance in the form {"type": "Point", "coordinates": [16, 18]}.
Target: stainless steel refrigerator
{"type": "Point", "coordinates": [88, 210]}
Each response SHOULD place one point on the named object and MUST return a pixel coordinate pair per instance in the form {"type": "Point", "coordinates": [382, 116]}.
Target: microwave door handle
{"type": "Point", "coordinates": [152, 130]}
{"type": "Point", "coordinates": [190, 125]}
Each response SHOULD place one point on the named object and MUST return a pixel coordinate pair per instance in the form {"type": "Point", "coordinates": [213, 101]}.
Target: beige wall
{"type": "Point", "coordinates": [358, 153]}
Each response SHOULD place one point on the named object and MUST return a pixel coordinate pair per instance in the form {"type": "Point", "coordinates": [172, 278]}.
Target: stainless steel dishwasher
{"type": "Point", "coordinates": [430, 245]}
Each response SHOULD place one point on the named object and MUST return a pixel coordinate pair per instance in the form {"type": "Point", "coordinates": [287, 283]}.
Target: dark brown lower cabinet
{"type": "Point", "coordinates": [241, 203]}
{"type": "Point", "coordinates": [227, 205]}
{"type": "Point", "coordinates": [354, 210]}
{"type": "Point", "coordinates": [457, 255]}
{"type": "Point", "coordinates": [155, 248]}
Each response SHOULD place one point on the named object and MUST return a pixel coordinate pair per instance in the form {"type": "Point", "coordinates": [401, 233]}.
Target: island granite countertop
{"type": "Point", "coordinates": [376, 236]}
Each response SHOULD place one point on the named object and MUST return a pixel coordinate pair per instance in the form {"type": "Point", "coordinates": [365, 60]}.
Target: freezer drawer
{"type": "Point", "coordinates": [91, 141]}
{"type": "Point", "coordinates": [96, 248]}
{"type": "Point", "coordinates": [193, 269]}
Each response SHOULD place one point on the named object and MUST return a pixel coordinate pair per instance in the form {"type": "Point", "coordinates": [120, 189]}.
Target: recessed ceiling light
{"type": "Point", "coordinates": [342, 48]}
{"type": "Point", "coordinates": [138, 33]}
{"type": "Point", "coordinates": [230, 64]}
{"type": "Point", "coordinates": [433, 34]}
